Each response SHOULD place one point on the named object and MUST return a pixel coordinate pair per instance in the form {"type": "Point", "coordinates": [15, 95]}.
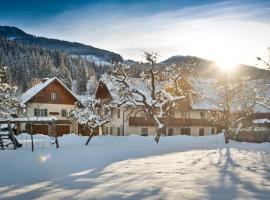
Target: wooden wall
{"type": "Point", "coordinates": [62, 95]}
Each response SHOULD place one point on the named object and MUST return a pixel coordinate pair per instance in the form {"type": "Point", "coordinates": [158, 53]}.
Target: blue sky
{"type": "Point", "coordinates": [218, 30]}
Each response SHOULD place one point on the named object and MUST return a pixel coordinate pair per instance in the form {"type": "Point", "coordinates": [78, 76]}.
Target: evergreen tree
{"type": "Point", "coordinates": [8, 101]}
{"type": "Point", "coordinates": [81, 80]}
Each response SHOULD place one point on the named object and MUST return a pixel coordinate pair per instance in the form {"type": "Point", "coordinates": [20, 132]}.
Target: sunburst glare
{"type": "Point", "coordinates": [44, 158]}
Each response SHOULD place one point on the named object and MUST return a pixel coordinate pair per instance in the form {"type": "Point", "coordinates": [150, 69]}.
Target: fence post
{"type": "Point", "coordinates": [11, 135]}
{"type": "Point", "coordinates": [32, 139]}
{"type": "Point", "coordinates": [1, 143]}
{"type": "Point", "coordinates": [55, 135]}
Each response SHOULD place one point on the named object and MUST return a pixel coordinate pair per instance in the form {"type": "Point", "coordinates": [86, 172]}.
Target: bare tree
{"type": "Point", "coordinates": [237, 101]}
{"type": "Point", "coordinates": [93, 115]}
{"type": "Point", "coordinates": [264, 100]}
{"type": "Point", "coordinates": [266, 63]}
{"type": "Point", "coordinates": [156, 92]}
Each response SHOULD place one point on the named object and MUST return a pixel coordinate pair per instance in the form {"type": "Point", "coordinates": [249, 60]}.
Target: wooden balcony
{"type": "Point", "coordinates": [143, 121]}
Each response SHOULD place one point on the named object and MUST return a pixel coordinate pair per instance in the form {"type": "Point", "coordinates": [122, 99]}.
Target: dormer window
{"type": "Point", "coordinates": [53, 96]}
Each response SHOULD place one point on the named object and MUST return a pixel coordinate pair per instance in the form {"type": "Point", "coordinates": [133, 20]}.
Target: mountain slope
{"type": "Point", "coordinates": [205, 67]}
{"type": "Point", "coordinates": [73, 48]}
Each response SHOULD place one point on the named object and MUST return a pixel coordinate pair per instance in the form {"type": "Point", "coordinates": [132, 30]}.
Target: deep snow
{"type": "Point", "coordinates": [134, 167]}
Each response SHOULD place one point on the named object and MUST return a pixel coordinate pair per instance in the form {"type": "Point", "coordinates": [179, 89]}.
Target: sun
{"type": "Point", "coordinates": [226, 64]}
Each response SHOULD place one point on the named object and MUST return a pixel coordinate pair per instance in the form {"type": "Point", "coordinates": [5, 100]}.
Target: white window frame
{"type": "Point", "coordinates": [38, 112]}
{"type": "Point", "coordinates": [64, 111]}
{"type": "Point", "coordinates": [144, 131]}
{"type": "Point", "coordinates": [53, 96]}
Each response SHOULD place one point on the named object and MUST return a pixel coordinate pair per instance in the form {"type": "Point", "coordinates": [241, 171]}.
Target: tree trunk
{"type": "Point", "coordinates": [226, 136]}
{"type": "Point", "coordinates": [89, 138]}
{"type": "Point", "coordinates": [11, 135]}
{"type": "Point", "coordinates": [55, 135]}
{"type": "Point", "coordinates": [227, 126]}
{"type": "Point", "coordinates": [158, 130]}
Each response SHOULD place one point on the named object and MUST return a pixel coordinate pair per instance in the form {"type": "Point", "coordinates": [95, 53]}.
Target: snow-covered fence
{"type": "Point", "coordinates": [40, 141]}
{"type": "Point", "coordinates": [31, 121]}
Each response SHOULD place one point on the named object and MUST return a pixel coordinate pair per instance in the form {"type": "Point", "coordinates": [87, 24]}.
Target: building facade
{"type": "Point", "coordinates": [185, 121]}
{"type": "Point", "coordinates": [50, 99]}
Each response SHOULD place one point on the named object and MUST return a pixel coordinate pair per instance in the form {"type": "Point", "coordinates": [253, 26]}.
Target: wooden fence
{"type": "Point", "coordinates": [252, 136]}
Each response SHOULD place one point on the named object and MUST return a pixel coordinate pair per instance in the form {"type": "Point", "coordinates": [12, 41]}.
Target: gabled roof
{"type": "Point", "coordinates": [113, 87]}
{"type": "Point", "coordinates": [207, 93]}
{"type": "Point", "coordinates": [29, 94]}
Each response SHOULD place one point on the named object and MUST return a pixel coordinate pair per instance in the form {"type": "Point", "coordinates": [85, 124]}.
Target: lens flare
{"type": "Point", "coordinates": [44, 158]}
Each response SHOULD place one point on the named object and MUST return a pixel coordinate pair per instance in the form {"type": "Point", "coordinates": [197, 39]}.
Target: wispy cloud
{"type": "Point", "coordinates": [216, 31]}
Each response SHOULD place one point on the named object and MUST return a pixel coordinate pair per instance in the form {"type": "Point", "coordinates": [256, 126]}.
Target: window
{"type": "Point", "coordinates": [202, 114]}
{"type": "Point", "coordinates": [107, 130]}
{"type": "Point", "coordinates": [53, 96]}
{"type": "Point", "coordinates": [163, 131]}
{"type": "Point", "coordinates": [144, 131]}
{"type": "Point", "coordinates": [118, 113]}
{"type": "Point", "coordinates": [172, 113]}
{"type": "Point", "coordinates": [64, 113]}
{"type": "Point", "coordinates": [170, 131]}
{"type": "Point", "coordinates": [188, 131]}
{"type": "Point", "coordinates": [183, 114]}
{"type": "Point", "coordinates": [111, 130]}
{"type": "Point", "coordinates": [118, 131]}
{"type": "Point", "coordinates": [201, 132]}
{"type": "Point", "coordinates": [212, 131]}
{"type": "Point", "coordinates": [185, 131]}
{"type": "Point", "coordinates": [40, 112]}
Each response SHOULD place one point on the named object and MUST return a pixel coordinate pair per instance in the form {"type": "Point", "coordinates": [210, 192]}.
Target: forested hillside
{"type": "Point", "coordinates": [72, 48]}
{"type": "Point", "coordinates": [29, 64]}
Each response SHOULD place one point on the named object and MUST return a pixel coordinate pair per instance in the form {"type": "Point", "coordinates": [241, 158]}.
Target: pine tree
{"type": "Point", "coordinates": [8, 101]}
{"type": "Point", "coordinates": [81, 80]}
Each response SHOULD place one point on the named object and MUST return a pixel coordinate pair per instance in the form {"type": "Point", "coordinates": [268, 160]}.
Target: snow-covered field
{"type": "Point", "coordinates": [134, 167]}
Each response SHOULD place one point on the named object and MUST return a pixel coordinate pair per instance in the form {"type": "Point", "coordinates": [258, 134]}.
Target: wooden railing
{"type": "Point", "coordinates": [143, 121]}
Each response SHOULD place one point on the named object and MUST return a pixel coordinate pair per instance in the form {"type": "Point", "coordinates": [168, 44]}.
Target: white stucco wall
{"type": "Point", "coordinates": [136, 130]}
{"type": "Point", "coordinates": [51, 108]}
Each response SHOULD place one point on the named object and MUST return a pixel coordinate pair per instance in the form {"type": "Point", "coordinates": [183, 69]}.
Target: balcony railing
{"type": "Point", "coordinates": [144, 121]}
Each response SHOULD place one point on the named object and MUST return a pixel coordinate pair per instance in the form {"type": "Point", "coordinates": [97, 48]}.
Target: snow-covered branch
{"type": "Point", "coordinates": [93, 115]}
{"type": "Point", "coordinates": [156, 92]}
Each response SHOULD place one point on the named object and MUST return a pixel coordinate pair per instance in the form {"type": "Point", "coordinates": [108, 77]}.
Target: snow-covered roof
{"type": "Point", "coordinates": [261, 121]}
{"type": "Point", "coordinates": [208, 97]}
{"type": "Point", "coordinates": [32, 119]}
{"type": "Point", "coordinates": [5, 126]}
{"type": "Point", "coordinates": [140, 85]}
{"type": "Point", "coordinates": [29, 94]}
